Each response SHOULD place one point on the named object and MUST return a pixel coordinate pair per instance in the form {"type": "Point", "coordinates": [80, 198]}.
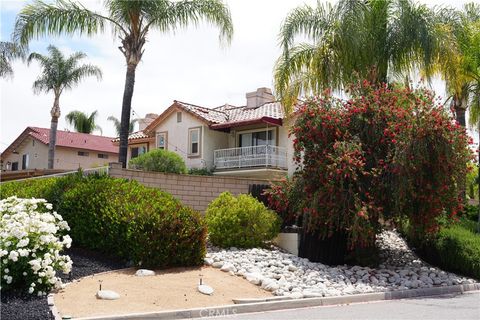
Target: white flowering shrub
{"type": "Point", "coordinates": [31, 239]}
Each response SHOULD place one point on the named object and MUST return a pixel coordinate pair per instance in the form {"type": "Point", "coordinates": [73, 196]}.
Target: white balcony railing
{"type": "Point", "coordinates": [248, 157]}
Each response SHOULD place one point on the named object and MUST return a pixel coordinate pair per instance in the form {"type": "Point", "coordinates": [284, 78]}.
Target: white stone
{"type": "Point", "coordinates": [254, 278]}
{"type": "Point", "coordinates": [227, 266]}
{"type": "Point", "coordinates": [144, 273]}
{"type": "Point", "coordinates": [269, 284]}
{"type": "Point", "coordinates": [208, 261]}
{"type": "Point", "coordinates": [217, 264]}
{"type": "Point", "coordinates": [107, 295]}
{"type": "Point", "coordinates": [203, 288]}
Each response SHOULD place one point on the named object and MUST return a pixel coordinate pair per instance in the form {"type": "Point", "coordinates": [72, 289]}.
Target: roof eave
{"type": "Point", "coordinates": [267, 120]}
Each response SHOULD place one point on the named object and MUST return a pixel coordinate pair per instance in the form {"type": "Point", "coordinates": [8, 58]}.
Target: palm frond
{"type": "Point", "coordinates": [10, 51]}
{"type": "Point", "coordinates": [64, 17]}
{"type": "Point", "coordinates": [82, 122]}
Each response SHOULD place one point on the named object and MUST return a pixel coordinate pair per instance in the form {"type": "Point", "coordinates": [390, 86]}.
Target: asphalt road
{"type": "Point", "coordinates": [447, 307]}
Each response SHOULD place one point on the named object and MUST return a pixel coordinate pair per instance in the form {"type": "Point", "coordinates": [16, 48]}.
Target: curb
{"type": "Point", "coordinates": [263, 305]}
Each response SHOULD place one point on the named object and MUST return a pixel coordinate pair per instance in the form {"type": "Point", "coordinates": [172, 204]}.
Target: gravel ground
{"type": "Point", "coordinates": [23, 306]}
{"type": "Point", "coordinates": [287, 275]}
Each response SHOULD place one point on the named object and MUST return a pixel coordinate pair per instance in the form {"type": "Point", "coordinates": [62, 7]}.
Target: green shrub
{"type": "Point", "coordinates": [458, 249]}
{"type": "Point", "coordinates": [129, 220]}
{"type": "Point", "coordinates": [241, 221]}
{"type": "Point", "coordinates": [200, 171]}
{"type": "Point", "coordinates": [159, 160]}
{"type": "Point", "coordinates": [34, 188]}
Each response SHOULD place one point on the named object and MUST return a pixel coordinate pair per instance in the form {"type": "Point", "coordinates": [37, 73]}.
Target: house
{"type": "Point", "coordinates": [73, 150]}
{"type": "Point", "coordinates": [248, 141]}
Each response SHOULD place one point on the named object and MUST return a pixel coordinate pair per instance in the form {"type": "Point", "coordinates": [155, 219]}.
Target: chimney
{"type": "Point", "coordinates": [144, 122]}
{"type": "Point", "coordinates": [257, 98]}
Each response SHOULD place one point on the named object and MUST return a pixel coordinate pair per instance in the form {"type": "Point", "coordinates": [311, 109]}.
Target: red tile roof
{"type": "Point", "coordinates": [75, 140]}
{"type": "Point", "coordinates": [137, 135]}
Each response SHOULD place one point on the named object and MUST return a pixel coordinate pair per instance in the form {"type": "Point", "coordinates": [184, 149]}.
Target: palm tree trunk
{"type": "Point", "coordinates": [55, 113]}
{"type": "Point", "coordinates": [126, 108]}
{"type": "Point", "coordinates": [460, 115]}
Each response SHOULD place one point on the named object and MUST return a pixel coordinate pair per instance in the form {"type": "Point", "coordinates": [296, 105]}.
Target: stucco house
{"type": "Point", "coordinates": [248, 141]}
{"type": "Point", "coordinates": [73, 150]}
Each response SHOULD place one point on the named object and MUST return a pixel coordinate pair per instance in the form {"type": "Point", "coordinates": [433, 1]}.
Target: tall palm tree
{"type": "Point", "coordinates": [458, 55]}
{"type": "Point", "coordinates": [9, 51]}
{"type": "Point", "coordinates": [131, 21]}
{"type": "Point", "coordinates": [118, 126]}
{"type": "Point", "coordinates": [373, 40]}
{"type": "Point", "coordinates": [83, 122]}
{"type": "Point", "coordinates": [58, 74]}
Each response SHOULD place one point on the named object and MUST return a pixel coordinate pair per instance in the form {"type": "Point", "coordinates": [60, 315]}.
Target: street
{"type": "Point", "coordinates": [448, 307]}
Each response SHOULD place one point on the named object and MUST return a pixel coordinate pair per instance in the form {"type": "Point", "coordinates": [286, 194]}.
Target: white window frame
{"type": "Point", "coordinates": [274, 134]}
{"type": "Point", "coordinates": [179, 116]}
{"type": "Point", "coordinates": [165, 140]}
{"type": "Point", "coordinates": [199, 142]}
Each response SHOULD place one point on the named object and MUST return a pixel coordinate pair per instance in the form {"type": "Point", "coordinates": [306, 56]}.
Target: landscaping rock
{"type": "Point", "coordinates": [144, 273]}
{"type": "Point", "coordinates": [285, 274]}
{"type": "Point", "coordinates": [107, 295]}
{"type": "Point", "coordinates": [203, 288]}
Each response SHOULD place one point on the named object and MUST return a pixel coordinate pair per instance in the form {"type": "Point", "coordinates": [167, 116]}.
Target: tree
{"type": "Point", "coordinates": [118, 126]}
{"type": "Point", "coordinates": [83, 122]}
{"type": "Point", "coordinates": [373, 40]}
{"type": "Point", "coordinates": [131, 21]}
{"type": "Point", "coordinates": [458, 57]}
{"type": "Point", "coordinates": [9, 51]}
{"type": "Point", "coordinates": [58, 74]}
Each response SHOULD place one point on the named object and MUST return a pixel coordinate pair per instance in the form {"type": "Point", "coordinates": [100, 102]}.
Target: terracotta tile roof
{"type": "Point", "coordinates": [232, 114]}
{"type": "Point", "coordinates": [75, 140]}
{"type": "Point", "coordinates": [138, 135]}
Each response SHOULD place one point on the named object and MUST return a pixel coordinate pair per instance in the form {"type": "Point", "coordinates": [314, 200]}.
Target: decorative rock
{"type": "Point", "coordinates": [269, 284]}
{"type": "Point", "coordinates": [227, 267]}
{"type": "Point", "coordinates": [292, 268]}
{"type": "Point", "coordinates": [217, 264]}
{"type": "Point", "coordinates": [208, 261]}
{"type": "Point", "coordinates": [203, 288]}
{"type": "Point", "coordinates": [254, 278]}
{"type": "Point", "coordinates": [144, 273]}
{"type": "Point", "coordinates": [107, 295]}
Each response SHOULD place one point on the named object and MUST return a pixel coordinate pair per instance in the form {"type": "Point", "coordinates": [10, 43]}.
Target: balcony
{"type": "Point", "coordinates": [253, 157]}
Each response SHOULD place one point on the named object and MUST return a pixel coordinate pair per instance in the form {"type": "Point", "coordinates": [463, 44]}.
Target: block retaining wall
{"type": "Point", "coordinates": [194, 191]}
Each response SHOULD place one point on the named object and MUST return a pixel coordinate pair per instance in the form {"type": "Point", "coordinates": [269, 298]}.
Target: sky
{"type": "Point", "coordinates": [189, 65]}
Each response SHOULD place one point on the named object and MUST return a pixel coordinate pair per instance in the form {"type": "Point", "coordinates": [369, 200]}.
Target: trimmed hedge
{"type": "Point", "coordinates": [159, 160]}
{"type": "Point", "coordinates": [123, 218]}
{"type": "Point", "coordinates": [241, 221]}
{"type": "Point", "coordinates": [145, 225]}
{"type": "Point", "coordinates": [458, 249]}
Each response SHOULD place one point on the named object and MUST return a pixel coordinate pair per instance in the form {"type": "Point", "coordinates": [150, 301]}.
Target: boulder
{"type": "Point", "coordinates": [144, 273]}
{"type": "Point", "coordinates": [107, 295]}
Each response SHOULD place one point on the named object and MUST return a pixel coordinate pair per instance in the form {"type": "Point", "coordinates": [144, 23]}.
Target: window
{"type": "Point", "coordinates": [194, 141]}
{"type": "Point", "coordinates": [24, 161]}
{"type": "Point", "coordinates": [258, 138]}
{"type": "Point", "coordinates": [83, 153]}
{"type": "Point", "coordinates": [162, 142]}
{"type": "Point", "coordinates": [135, 152]}
{"type": "Point", "coordinates": [14, 166]}
{"type": "Point", "coordinates": [33, 143]}
{"type": "Point", "coordinates": [103, 156]}
{"type": "Point", "coordinates": [179, 117]}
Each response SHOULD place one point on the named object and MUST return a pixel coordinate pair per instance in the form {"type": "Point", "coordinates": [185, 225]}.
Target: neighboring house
{"type": "Point", "coordinates": [249, 141]}
{"type": "Point", "coordinates": [73, 150]}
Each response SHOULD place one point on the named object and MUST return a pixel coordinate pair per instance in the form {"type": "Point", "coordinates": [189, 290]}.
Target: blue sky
{"type": "Point", "coordinates": [189, 66]}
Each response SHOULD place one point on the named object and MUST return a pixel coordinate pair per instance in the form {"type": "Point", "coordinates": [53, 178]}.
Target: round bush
{"type": "Point", "coordinates": [145, 225]}
{"type": "Point", "coordinates": [31, 239]}
{"type": "Point", "coordinates": [159, 160]}
{"type": "Point", "coordinates": [241, 221]}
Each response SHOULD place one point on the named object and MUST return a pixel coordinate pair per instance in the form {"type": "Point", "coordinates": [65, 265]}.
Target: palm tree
{"type": "Point", "coordinates": [9, 51]}
{"type": "Point", "coordinates": [458, 55]}
{"type": "Point", "coordinates": [59, 74]}
{"type": "Point", "coordinates": [131, 21]}
{"type": "Point", "coordinates": [118, 126]}
{"type": "Point", "coordinates": [374, 40]}
{"type": "Point", "coordinates": [83, 122]}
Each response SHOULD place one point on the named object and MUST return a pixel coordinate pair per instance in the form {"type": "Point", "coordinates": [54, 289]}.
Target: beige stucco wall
{"type": "Point", "coordinates": [177, 139]}
{"type": "Point", "coordinates": [65, 158]}
{"type": "Point", "coordinates": [37, 151]}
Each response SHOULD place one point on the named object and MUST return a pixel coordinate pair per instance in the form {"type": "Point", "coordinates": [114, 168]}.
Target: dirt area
{"type": "Point", "coordinates": [170, 289]}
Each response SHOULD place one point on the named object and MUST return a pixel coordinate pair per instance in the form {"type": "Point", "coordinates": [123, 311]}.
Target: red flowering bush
{"type": "Point", "coordinates": [384, 154]}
